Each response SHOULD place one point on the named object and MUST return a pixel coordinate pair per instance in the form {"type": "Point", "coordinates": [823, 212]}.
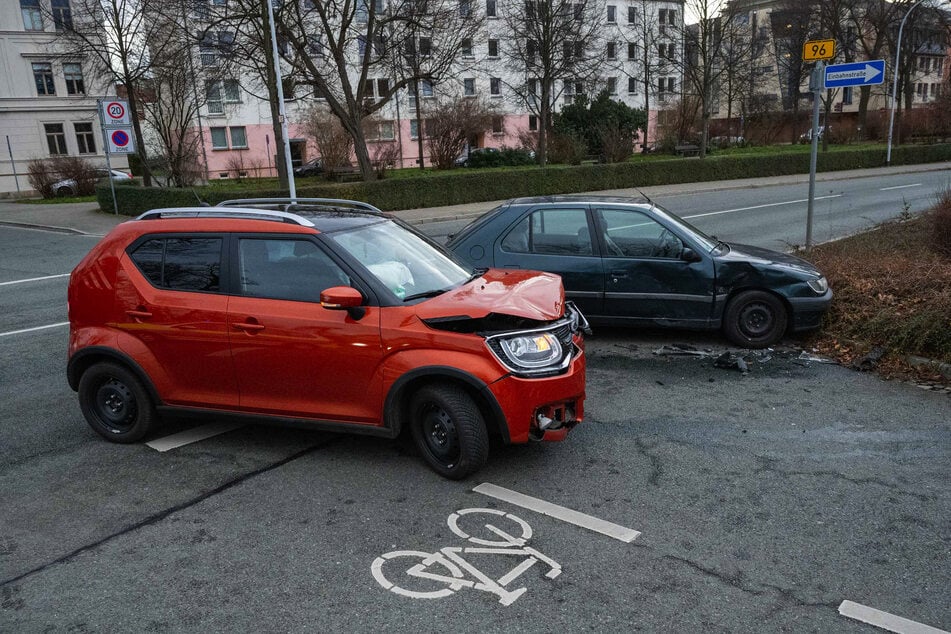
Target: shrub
{"type": "Point", "coordinates": [41, 177]}
{"type": "Point", "coordinates": [941, 225]}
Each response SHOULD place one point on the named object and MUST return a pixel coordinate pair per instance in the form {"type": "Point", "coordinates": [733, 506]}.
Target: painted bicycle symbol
{"type": "Point", "coordinates": [448, 570]}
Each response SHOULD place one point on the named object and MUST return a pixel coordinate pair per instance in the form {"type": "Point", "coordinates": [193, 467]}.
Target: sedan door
{"type": "Point", "coordinates": [557, 240]}
{"type": "Point", "coordinates": [292, 356]}
{"type": "Point", "coordinates": [650, 277]}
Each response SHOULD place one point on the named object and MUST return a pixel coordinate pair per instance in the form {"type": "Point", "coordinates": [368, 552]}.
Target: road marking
{"type": "Point", "coordinates": [189, 436]}
{"type": "Point", "coordinates": [25, 330]}
{"type": "Point", "coordinates": [788, 202]}
{"type": "Point", "coordinates": [626, 535]}
{"type": "Point", "coordinates": [885, 620]}
{"type": "Point", "coordinates": [885, 189]}
{"type": "Point", "coordinates": [35, 279]}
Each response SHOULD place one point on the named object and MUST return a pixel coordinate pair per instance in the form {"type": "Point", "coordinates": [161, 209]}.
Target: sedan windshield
{"type": "Point", "coordinates": [404, 262]}
{"type": "Point", "coordinates": [708, 243]}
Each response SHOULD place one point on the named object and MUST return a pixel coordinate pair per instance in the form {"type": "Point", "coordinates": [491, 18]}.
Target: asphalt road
{"type": "Point", "coordinates": [775, 217]}
{"type": "Point", "coordinates": [763, 500]}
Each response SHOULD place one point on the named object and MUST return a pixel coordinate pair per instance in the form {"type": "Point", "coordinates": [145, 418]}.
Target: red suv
{"type": "Point", "coordinates": [325, 313]}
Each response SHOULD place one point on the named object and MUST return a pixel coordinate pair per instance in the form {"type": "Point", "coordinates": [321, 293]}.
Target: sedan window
{"type": "Point", "coordinates": [628, 233]}
{"type": "Point", "coordinates": [551, 232]}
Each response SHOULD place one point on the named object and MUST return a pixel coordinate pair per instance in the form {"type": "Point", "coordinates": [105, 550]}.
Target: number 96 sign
{"type": "Point", "coordinates": [814, 50]}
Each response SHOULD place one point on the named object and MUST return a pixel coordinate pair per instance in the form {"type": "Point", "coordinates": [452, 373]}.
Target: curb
{"type": "Point", "coordinates": [39, 227]}
{"type": "Point", "coordinates": [921, 362]}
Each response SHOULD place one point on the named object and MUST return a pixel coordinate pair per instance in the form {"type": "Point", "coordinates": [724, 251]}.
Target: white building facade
{"type": "Point", "coordinates": [47, 101]}
{"type": "Point", "coordinates": [239, 138]}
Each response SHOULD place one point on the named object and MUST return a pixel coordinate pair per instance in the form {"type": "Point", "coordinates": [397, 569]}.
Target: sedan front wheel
{"type": "Point", "coordinates": [755, 319]}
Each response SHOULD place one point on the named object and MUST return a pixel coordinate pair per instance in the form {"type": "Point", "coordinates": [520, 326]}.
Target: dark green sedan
{"type": "Point", "coordinates": [629, 262]}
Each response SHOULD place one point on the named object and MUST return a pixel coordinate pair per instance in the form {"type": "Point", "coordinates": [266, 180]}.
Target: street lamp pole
{"type": "Point", "coordinates": [895, 72]}
{"type": "Point", "coordinates": [280, 101]}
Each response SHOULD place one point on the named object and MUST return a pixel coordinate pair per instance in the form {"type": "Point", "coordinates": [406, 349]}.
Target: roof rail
{"type": "Point", "coordinates": [217, 212]}
{"type": "Point", "coordinates": [289, 204]}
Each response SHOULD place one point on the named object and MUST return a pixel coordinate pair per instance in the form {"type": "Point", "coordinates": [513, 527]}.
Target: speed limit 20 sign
{"type": "Point", "coordinates": [814, 50]}
{"type": "Point", "coordinates": [115, 112]}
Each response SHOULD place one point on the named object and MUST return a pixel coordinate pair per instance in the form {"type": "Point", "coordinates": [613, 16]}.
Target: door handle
{"type": "Point", "coordinates": [139, 313]}
{"type": "Point", "coordinates": [248, 326]}
{"type": "Point", "coordinates": [618, 273]}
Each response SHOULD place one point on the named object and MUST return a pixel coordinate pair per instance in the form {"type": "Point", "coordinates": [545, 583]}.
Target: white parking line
{"type": "Point", "coordinates": [885, 620]}
{"type": "Point", "coordinates": [20, 332]}
{"type": "Point", "coordinates": [626, 535]}
{"type": "Point", "coordinates": [189, 436]}
{"type": "Point", "coordinates": [35, 279]}
{"type": "Point", "coordinates": [788, 202]}
{"type": "Point", "coordinates": [885, 189]}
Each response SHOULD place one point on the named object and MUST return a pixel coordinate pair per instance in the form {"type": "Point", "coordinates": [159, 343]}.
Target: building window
{"type": "Point", "coordinates": [612, 85]}
{"type": "Point", "coordinates": [43, 76]}
{"type": "Point", "coordinates": [85, 139]}
{"type": "Point", "coordinates": [55, 138]}
{"type": "Point", "coordinates": [32, 17]}
{"type": "Point", "coordinates": [466, 48]}
{"type": "Point", "coordinates": [219, 138]}
{"type": "Point", "coordinates": [631, 50]}
{"type": "Point", "coordinates": [414, 128]}
{"type": "Point", "coordinates": [207, 50]}
{"type": "Point", "coordinates": [631, 15]}
{"type": "Point", "coordinates": [465, 8]}
{"type": "Point", "coordinates": [612, 50]}
{"type": "Point", "coordinates": [495, 86]}
{"type": "Point", "coordinates": [665, 85]}
{"type": "Point", "coordinates": [213, 97]}
{"type": "Point", "coordinates": [425, 47]}
{"type": "Point", "coordinates": [493, 48]}
{"type": "Point", "coordinates": [468, 87]}
{"type": "Point", "coordinates": [847, 95]}
{"type": "Point", "coordinates": [239, 138]}
{"type": "Point", "coordinates": [74, 79]}
{"type": "Point", "coordinates": [578, 11]}
{"type": "Point", "coordinates": [612, 13]}
{"type": "Point", "coordinates": [379, 131]}
{"type": "Point", "coordinates": [62, 15]}
{"type": "Point", "coordinates": [498, 126]}
{"type": "Point", "coordinates": [632, 86]}
{"type": "Point", "coordinates": [490, 8]}
{"type": "Point", "coordinates": [532, 122]}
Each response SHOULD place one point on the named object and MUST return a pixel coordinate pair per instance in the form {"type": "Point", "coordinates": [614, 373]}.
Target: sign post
{"type": "Point", "coordinates": [815, 51]}
{"type": "Point", "coordinates": [114, 120]}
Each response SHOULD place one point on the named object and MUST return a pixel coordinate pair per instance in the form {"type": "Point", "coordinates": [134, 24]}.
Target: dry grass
{"type": "Point", "coordinates": [892, 289]}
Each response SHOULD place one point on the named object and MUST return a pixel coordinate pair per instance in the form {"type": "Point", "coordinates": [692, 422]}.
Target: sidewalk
{"type": "Point", "coordinates": [85, 218]}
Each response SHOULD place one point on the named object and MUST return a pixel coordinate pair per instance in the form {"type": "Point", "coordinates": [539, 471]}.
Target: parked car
{"type": "Point", "coordinates": [312, 167]}
{"type": "Point", "coordinates": [69, 187]}
{"type": "Point", "coordinates": [334, 317]}
{"type": "Point", "coordinates": [464, 159]}
{"type": "Point", "coordinates": [625, 262]}
{"type": "Point", "coordinates": [806, 137]}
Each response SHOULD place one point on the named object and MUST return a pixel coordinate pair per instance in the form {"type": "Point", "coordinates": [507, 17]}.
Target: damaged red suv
{"type": "Point", "coordinates": [322, 313]}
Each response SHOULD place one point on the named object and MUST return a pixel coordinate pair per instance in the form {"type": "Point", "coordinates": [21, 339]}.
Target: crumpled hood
{"type": "Point", "coordinates": [745, 252]}
{"type": "Point", "coordinates": [525, 294]}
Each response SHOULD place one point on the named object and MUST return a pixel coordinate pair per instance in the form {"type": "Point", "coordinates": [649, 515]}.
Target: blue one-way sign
{"type": "Point", "coordinates": [855, 74]}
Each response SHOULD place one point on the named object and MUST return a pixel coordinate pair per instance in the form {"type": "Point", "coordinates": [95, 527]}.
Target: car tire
{"type": "Point", "coordinates": [64, 191]}
{"type": "Point", "coordinates": [449, 430]}
{"type": "Point", "coordinates": [115, 403]}
{"type": "Point", "coordinates": [755, 319]}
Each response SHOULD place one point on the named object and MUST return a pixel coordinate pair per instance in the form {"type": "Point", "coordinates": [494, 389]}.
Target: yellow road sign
{"type": "Point", "coordinates": [814, 50]}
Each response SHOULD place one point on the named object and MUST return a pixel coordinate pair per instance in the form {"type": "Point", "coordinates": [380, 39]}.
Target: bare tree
{"type": "Point", "coordinates": [793, 23]}
{"type": "Point", "coordinates": [547, 41]}
{"type": "Point", "coordinates": [333, 141]}
{"type": "Point", "coordinates": [450, 124]}
{"type": "Point", "coordinates": [320, 37]}
{"type": "Point", "coordinates": [111, 34]}
{"type": "Point", "coordinates": [719, 38]}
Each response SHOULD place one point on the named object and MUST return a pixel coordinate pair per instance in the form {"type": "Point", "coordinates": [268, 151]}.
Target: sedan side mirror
{"type": "Point", "coordinates": [689, 255]}
{"type": "Point", "coordinates": [343, 298]}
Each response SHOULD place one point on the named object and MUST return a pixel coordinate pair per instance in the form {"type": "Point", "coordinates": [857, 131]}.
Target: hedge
{"type": "Point", "coordinates": [461, 186]}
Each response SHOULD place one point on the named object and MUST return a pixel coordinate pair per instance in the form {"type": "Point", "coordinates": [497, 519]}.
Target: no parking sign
{"type": "Point", "coordinates": [120, 141]}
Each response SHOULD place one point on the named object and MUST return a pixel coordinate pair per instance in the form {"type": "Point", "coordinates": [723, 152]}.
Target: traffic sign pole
{"type": "Point", "coordinates": [105, 150]}
{"type": "Point", "coordinates": [818, 85]}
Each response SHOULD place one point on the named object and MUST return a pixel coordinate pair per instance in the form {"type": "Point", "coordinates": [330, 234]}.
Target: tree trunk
{"type": "Point", "coordinates": [544, 114]}
{"type": "Point", "coordinates": [865, 95]}
{"type": "Point", "coordinates": [139, 142]}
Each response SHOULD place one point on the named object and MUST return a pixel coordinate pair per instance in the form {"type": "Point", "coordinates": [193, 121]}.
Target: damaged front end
{"type": "Point", "coordinates": [538, 357]}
